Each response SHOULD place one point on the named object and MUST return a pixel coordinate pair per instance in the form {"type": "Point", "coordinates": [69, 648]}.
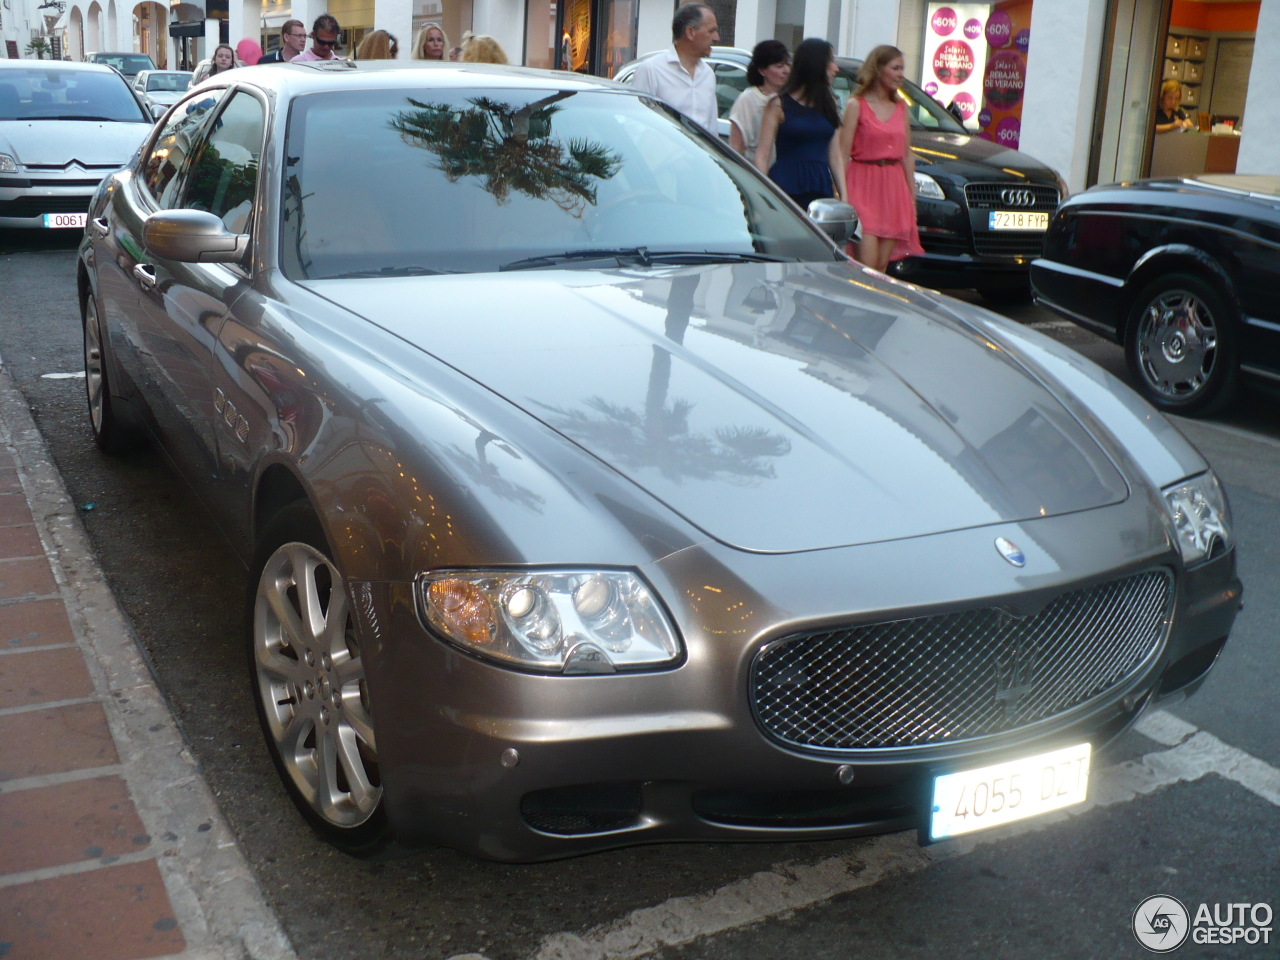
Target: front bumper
{"type": "Point", "coordinates": [960, 271]}
{"type": "Point", "coordinates": [619, 760]}
{"type": "Point", "coordinates": [23, 206]}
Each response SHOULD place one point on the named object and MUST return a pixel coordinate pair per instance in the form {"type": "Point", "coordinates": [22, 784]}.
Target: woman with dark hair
{"type": "Point", "coordinates": [875, 135]}
{"type": "Point", "coordinates": [801, 122]}
{"type": "Point", "coordinates": [766, 74]}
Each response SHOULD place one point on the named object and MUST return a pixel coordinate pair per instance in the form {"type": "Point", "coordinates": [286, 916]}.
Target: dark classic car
{"type": "Point", "coordinates": [591, 496]}
{"type": "Point", "coordinates": [974, 195]}
{"type": "Point", "coordinates": [1183, 273]}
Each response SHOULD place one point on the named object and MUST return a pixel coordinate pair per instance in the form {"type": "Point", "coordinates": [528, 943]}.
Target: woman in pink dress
{"type": "Point", "coordinates": [875, 135]}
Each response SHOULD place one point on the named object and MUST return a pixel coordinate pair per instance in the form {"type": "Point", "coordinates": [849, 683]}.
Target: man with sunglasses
{"type": "Point", "coordinates": [324, 40]}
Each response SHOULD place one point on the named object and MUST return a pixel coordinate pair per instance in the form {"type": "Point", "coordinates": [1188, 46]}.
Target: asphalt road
{"type": "Point", "coordinates": [1067, 889]}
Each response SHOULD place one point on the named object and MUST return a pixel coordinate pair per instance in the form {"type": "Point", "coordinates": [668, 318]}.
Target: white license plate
{"type": "Point", "coordinates": [58, 221]}
{"type": "Point", "coordinates": [987, 797]}
{"type": "Point", "coordinates": [1017, 220]}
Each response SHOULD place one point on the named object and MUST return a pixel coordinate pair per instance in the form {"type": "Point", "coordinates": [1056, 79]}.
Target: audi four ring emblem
{"type": "Point", "coordinates": [1018, 197]}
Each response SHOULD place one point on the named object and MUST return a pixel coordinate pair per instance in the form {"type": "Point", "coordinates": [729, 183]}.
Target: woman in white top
{"type": "Point", "coordinates": [768, 70]}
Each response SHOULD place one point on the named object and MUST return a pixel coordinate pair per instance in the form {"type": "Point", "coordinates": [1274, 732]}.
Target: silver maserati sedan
{"type": "Point", "coordinates": [591, 496]}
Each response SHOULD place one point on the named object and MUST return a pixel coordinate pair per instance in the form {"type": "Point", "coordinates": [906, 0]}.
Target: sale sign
{"type": "Point", "coordinates": [956, 55]}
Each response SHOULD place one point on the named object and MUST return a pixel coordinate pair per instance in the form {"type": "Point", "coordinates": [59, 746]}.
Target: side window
{"type": "Point", "coordinates": [731, 80]}
{"type": "Point", "coordinates": [224, 178]}
{"type": "Point", "coordinates": [173, 146]}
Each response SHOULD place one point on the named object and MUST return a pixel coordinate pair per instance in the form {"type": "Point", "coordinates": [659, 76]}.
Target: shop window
{"type": "Point", "coordinates": [584, 36]}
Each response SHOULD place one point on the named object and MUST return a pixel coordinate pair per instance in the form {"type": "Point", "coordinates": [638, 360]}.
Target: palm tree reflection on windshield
{"type": "Point", "coordinates": [659, 436]}
{"type": "Point", "coordinates": [510, 148]}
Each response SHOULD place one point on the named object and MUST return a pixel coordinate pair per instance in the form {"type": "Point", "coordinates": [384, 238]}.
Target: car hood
{"type": "Point", "coordinates": [777, 407]}
{"type": "Point", "coordinates": [975, 158]}
{"type": "Point", "coordinates": [93, 143]}
{"type": "Point", "coordinates": [166, 97]}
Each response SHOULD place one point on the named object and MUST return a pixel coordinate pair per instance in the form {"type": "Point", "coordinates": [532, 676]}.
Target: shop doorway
{"type": "Point", "coordinates": [1172, 88]}
{"type": "Point", "coordinates": [582, 36]}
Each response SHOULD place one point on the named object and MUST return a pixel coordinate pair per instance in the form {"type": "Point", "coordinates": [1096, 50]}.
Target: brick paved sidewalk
{"type": "Point", "coordinates": [111, 846]}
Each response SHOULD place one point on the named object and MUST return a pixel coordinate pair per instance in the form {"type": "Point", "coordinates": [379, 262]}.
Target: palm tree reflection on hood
{"type": "Point", "coordinates": [658, 436]}
{"type": "Point", "coordinates": [510, 148]}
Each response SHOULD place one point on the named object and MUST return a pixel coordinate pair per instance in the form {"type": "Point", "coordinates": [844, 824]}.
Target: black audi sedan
{"type": "Point", "coordinates": [1183, 273]}
{"type": "Point", "coordinates": [982, 208]}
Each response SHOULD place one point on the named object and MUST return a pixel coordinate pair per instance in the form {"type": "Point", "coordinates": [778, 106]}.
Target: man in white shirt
{"type": "Point", "coordinates": [678, 75]}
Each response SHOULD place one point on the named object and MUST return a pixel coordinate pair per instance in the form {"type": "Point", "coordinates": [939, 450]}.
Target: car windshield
{"type": "Point", "coordinates": [923, 111]}
{"type": "Point", "coordinates": [52, 94]}
{"type": "Point", "coordinates": [462, 181]}
{"type": "Point", "coordinates": [176, 82]}
{"type": "Point", "coordinates": [126, 63]}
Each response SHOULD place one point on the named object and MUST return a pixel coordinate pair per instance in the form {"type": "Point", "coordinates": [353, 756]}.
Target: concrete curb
{"type": "Point", "coordinates": [214, 893]}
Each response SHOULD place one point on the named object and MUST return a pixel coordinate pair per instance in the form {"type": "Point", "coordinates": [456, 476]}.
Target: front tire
{"type": "Point", "coordinates": [1180, 345]}
{"type": "Point", "coordinates": [308, 679]}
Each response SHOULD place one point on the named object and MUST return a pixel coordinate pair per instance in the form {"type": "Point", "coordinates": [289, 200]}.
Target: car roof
{"type": "Point", "coordinates": [297, 79]}
{"type": "Point", "coordinates": [55, 65]}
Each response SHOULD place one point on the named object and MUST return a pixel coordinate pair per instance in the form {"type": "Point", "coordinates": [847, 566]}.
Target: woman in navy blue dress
{"type": "Point", "coordinates": [802, 123]}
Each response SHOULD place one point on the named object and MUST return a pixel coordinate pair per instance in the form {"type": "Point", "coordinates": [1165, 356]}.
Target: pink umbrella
{"type": "Point", "coordinates": [248, 52]}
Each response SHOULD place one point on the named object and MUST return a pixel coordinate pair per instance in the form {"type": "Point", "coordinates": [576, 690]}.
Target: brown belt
{"type": "Point", "coordinates": [888, 162]}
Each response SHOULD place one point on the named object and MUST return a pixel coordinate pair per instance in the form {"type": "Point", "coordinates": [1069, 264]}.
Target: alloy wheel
{"type": "Point", "coordinates": [93, 378]}
{"type": "Point", "coordinates": [1177, 345]}
{"type": "Point", "coordinates": [311, 682]}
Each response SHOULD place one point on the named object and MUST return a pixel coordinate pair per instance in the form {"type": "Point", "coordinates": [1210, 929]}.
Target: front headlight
{"type": "Point", "coordinates": [8, 164]}
{"type": "Point", "coordinates": [557, 621]}
{"type": "Point", "coordinates": [1201, 516]}
{"type": "Point", "coordinates": [928, 187]}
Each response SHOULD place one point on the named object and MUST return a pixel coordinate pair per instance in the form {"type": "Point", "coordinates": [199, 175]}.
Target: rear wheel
{"type": "Point", "coordinates": [109, 433]}
{"type": "Point", "coordinates": [308, 676]}
{"type": "Point", "coordinates": [1180, 346]}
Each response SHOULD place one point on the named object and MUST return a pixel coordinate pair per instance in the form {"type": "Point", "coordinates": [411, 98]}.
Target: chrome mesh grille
{"type": "Point", "coordinates": [956, 676]}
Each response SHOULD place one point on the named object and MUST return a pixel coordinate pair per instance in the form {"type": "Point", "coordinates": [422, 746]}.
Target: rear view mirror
{"type": "Point", "coordinates": [157, 110]}
{"type": "Point", "coordinates": [835, 218]}
{"type": "Point", "coordinates": [192, 236]}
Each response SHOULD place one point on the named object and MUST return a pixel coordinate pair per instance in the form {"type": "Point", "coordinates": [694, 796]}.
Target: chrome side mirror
{"type": "Point", "coordinates": [192, 236]}
{"type": "Point", "coordinates": [835, 218]}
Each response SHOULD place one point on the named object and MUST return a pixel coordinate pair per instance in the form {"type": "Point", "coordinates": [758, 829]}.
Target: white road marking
{"type": "Point", "coordinates": [1190, 755]}
{"type": "Point", "coordinates": [79, 375]}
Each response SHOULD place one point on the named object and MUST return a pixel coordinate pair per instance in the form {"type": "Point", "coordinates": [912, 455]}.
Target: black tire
{"type": "Point", "coordinates": [1180, 344]}
{"type": "Point", "coordinates": [332, 704]}
{"type": "Point", "coordinates": [110, 435]}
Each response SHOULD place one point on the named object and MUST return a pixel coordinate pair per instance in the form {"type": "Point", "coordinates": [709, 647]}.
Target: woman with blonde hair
{"type": "Point", "coordinates": [482, 49]}
{"type": "Point", "coordinates": [1170, 117]}
{"type": "Point", "coordinates": [431, 44]}
{"type": "Point", "coordinates": [377, 45]}
{"type": "Point", "coordinates": [880, 178]}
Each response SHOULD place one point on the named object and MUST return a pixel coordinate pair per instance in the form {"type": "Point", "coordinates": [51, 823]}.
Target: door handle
{"type": "Point", "coordinates": [100, 226]}
{"type": "Point", "coordinates": [146, 275]}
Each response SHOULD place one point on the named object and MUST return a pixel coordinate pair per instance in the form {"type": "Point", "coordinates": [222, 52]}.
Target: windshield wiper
{"type": "Point", "coordinates": [641, 255]}
{"type": "Point", "coordinates": [386, 272]}
{"type": "Point", "coordinates": [78, 116]}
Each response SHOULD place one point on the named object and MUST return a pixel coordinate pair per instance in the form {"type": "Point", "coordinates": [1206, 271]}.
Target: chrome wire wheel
{"type": "Point", "coordinates": [1177, 345]}
{"type": "Point", "coordinates": [311, 684]}
{"type": "Point", "coordinates": [93, 378]}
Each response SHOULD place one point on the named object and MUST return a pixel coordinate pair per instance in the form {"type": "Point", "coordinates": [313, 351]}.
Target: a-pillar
{"type": "Point", "coordinates": [1260, 141]}
{"type": "Point", "coordinates": [1062, 84]}
{"type": "Point", "coordinates": [753, 22]}
{"type": "Point", "coordinates": [396, 17]}
{"type": "Point", "coordinates": [244, 20]}
{"type": "Point", "coordinates": [867, 24]}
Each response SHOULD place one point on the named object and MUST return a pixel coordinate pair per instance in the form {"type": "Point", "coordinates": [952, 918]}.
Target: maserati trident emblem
{"type": "Point", "coordinates": [1011, 552]}
{"type": "Point", "coordinates": [1018, 197]}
